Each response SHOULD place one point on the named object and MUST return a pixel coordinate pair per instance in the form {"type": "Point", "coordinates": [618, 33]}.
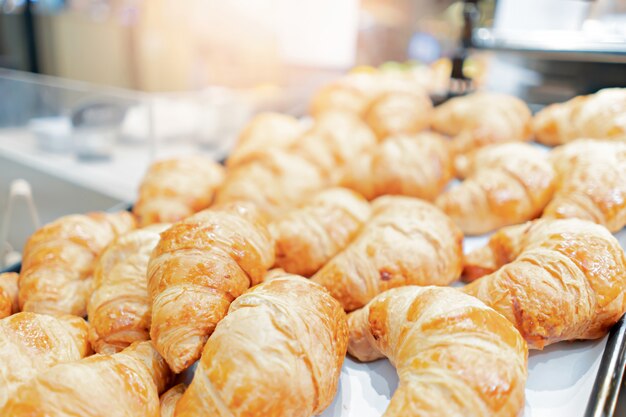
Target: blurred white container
{"type": "Point", "coordinates": [53, 134]}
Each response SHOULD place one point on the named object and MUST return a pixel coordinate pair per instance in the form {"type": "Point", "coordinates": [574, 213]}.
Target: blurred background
{"type": "Point", "coordinates": [281, 50]}
{"type": "Point", "coordinates": [91, 91]}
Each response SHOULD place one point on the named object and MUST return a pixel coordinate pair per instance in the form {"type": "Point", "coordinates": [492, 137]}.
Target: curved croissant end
{"type": "Point", "coordinates": [454, 355]}
{"type": "Point", "coordinates": [554, 279]}
{"type": "Point", "coordinates": [198, 268]}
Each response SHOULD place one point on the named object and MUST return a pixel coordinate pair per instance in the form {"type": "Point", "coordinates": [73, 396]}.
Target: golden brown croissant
{"type": "Point", "coordinates": [306, 238]}
{"type": "Point", "coordinates": [395, 113]}
{"type": "Point", "coordinates": [356, 91]}
{"type": "Point", "coordinates": [265, 131]}
{"type": "Point", "coordinates": [274, 183]}
{"type": "Point", "coordinates": [481, 119]}
{"type": "Point", "coordinates": [198, 268]}
{"type": "Point", "coordinates": [591, 182]}
{"type": "Point", "coordinates": [596, 116]}
{"type": "Point", "coordinates": [557, 279]}
{"type": "Point", "coordinates": [339, 97]}
{"type": "Point", "coordinates": [417, 166]}
{"type": "Point", "coordinates": [170, 398]}
{"type": "Point", "coordinates": [30, 343]}
{"type": "Point", "coordinates": [454, 355]}
{"type": "Point", "coordinates": [8, 294]}
{"type": "Point", "coordinates": [388, 103]}
{"type": "Point", "coordinates": [508, 184]}
{"type": "Point", "coordinates": [121, 385]}
{"type": "Point", "coordinates": [59, 258]}
{"type": "Point", "coordinates": [277, 353]}
{"type": "Point", "coordinates": [334, 140]}
{"type": "Point", "coordinates": [119, 307]}
{"type": "Point", "coordinates": [173, 189]}
{"type": "Point", "coordinates": [406, 241]}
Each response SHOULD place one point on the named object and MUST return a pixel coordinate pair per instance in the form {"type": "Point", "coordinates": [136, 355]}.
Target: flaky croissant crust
{"type": "Point", "coordinates": [306, 238]}
{"type": "Point", "coordinates": [405, 241]}
{"type": "Point", "coordinates": [599, 116]}
{"type": "Point", "coordinates": [30, 343]}
{"type": "Point", "coordinates": [127, 383]}
{"type": "Point", "coordinates": [278, 352]}
{"type": "Point", "coordinates": [591, 182]}
{"type": "Point", "coordinates": [453, 354]}
{"type": "Point", "coordinates": [198, 268]}
{"type": "Point", "coordinates": [554, 279]}
{"type": "Point", "coordinates": [59, 258]}
{"type": "Point", "coordinates": [173, 189]}
{"type": "Point", "coordinates": [119, 308]}
{"type": "Point", "coordinates": [506, 184]}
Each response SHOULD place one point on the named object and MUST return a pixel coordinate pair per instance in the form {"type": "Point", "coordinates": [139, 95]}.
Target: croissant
{"type": "Point", "coordinates": [454, 355]}
{"type": "Point", "coordinates": [306, 238]}
{"type": "Point", "coordinates": [119, 307]}
{"type": "Point", "coordinates": [30, 343]}
{"type": "Point", "coordinates": [417, 166]}
{"type": "Point", "coordinates": [265, 131]}
{"type": "Point", "coordinates": [395, 113]}
{"type": "Point", "coordinates": [406, 241]}
{"type": "Point", "coordinates": [338, 97]}
{"type": "Point", "coordinates": [197, 269]}
{"type": "Point", "coordinates": [8, 294]}
{"type": "Point", "coordinates": [355, 92]}
{"type": "Point", "coordinates": [125, 384]}
{"type": "Point", "coordinates": [173, 189]}
{"type": "Point", "coordinates": [598, 116]}
{"type": "Point", "coordinates": [481, 119]}
{"type": "Point", "coordinates": [274, 182]}
{"type": "Point", "coordinates": [557, 279]}
{"type": "Point", "coordinates": [591, 182]}
{"type": "Point", "coordinates": [170, 398]}
{"type": "Point", "coordinates": [59, 258]}
{"type": "Point", "coordinates": [508, 184]}
{"type": "Point", "coordinates": [334, 140]}
{"type": "Point", "coordinates": [277, 353]}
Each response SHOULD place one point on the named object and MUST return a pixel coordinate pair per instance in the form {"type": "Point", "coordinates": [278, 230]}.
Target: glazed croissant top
{"type": "Point", "coordinates": [197, 269]}
{"type": "Point", "coordinates": [306, 238]}
{"type": "Point", "coordinates": [265, 131]}
{"type": "Point", "coordinates": [481, 119]}
{"type": "Point", "coordinates": [333, 140]}
{"type": "Point", "coordinates": [59, 258]}
{"type": "Point", "coordinates": [396, 113]}
{"type": "Point", "coordinates": [119, 307]}
{"type": "Point", "coordinates": [8, 294]}
{"type": "Point", "coordinates": [591, 182]}
{"type": "Point", "coordinates": [454, 355]}
{"type": "Point", "coordinates": [339, 97]}
{"type": "Point", "coordinates": [405, 241]}
{"type": "Point", "coordinates": [173, 189]}
{"type": "Point", "coordinates": [355, 91]}
{"type": "Point", "coordinates": [554, 279]}
{"type": "Point", "coordinates": [388, 104]}
{"type": "Point", "coordinates": [507, 184]}
{"type": "Point", "coordinates": [121, 385]}
{"type": "Point", "coordinates": [277, 353]}
{"type": "Point", "coordinates": [274, 182]}
{"type": "Point", "coordinates": [597, 116]}
{"type": "Point", "coordinates": [417, 166]}
{"type": "Point", "coordinates": [30, 343]}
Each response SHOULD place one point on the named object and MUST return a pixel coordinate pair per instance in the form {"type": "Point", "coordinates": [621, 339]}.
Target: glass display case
{"type": "Point", "coordinates": [81, 147]}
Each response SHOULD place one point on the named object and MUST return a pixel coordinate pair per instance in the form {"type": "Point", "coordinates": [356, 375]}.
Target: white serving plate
{"type": "Point", "coordinates": [560, 377]}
